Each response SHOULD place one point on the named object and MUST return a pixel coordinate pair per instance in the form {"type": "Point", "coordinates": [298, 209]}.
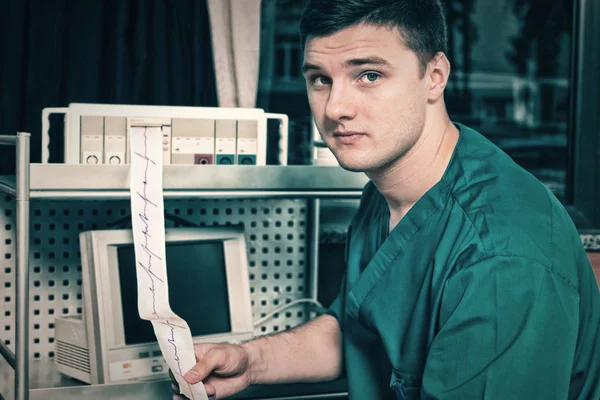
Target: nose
{"type": "Point", "coordinates": [340, 104]}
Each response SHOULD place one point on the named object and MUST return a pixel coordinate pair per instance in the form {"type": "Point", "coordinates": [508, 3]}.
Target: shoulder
{"type": "Point", "coordinates": [510, 211]}
{"type": "Point", "coordinates": [516, 283]}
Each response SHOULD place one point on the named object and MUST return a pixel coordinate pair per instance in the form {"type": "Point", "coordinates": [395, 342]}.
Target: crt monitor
{"type": "Point", "coordinates": [207, 273]}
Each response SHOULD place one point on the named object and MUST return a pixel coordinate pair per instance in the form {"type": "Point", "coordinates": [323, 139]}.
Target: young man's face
{"type": "Point", "coordinates": [366, 94]}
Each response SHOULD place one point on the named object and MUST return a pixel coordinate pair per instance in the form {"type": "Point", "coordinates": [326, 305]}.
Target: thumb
{"type": "Point", "coordinates": [212, 360]}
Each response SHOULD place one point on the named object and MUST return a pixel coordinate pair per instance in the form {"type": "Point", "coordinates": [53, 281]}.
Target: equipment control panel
{"type": "Point", "coordinates": [99, 134]}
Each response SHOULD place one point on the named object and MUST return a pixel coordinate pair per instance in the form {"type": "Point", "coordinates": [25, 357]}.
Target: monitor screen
{"type": "Point", "coordinates": [197, 278]}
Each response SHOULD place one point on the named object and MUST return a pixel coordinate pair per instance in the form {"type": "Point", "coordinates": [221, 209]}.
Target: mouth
{"type": "Point", "coordinates": [348, 137]}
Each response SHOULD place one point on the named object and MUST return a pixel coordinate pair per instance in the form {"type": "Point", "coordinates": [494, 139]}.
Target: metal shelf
{"type": "Point", "coordinates": [47, 384]}
{"type": "Point", "coordinates": [60, 181]}
{"type": "Point", "coordinates": [72, 182]}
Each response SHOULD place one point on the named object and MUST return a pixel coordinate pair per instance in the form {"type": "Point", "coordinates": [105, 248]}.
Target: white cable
{"type": "Point", "coordinates": [279, 309]}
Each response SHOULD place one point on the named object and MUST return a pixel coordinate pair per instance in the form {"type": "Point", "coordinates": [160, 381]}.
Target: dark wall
{"type": "Point", "coordinates": [99, 51]}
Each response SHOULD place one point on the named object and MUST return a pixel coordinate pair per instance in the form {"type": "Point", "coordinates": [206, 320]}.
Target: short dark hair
{"type": "Point", "coordinates": [421, 23]}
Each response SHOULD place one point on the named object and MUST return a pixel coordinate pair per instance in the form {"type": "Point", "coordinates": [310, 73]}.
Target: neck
{"type": "Point", "coordinates": [405, 181]}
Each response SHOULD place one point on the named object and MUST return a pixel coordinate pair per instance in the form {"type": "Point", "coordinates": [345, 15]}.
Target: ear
{"type": "Point", "coordinates": [438, 71]}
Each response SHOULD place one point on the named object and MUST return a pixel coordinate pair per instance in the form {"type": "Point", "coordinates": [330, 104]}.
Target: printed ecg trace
{"type": "Point", "coordinates": [171, 341]}
{"type": "Point", "coordinates": [151, 260]}
{"type": "Point", "coordinates": [146, 222]}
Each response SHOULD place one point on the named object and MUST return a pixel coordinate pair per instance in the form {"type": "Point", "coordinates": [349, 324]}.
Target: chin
{"type": "Point", "coordinates": [354, 166]}
{"type": "Point", "coordinates": [355, 161]}
{"type": "Point", "coordinates": [365, 165]}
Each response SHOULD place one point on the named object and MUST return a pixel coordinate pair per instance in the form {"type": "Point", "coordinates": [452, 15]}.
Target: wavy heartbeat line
{"type": "Point", "coordinates": [146, 222]}
{"type": "Point", "coordinates": [171, 341]}
{"type": "Point", "coordinates": [151, 255]}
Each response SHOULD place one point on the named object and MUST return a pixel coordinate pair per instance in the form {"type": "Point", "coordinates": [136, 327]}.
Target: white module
{"type": "Point", "coordinates": [193, 141]}
{"type": "Point", "coordinates": [225, 141]}
{"type": "Point", "coordinates": [115, 140]}
{"type": "Point", "coordinates": [92, 140]}
{"type": "Point", "coordinates": [247, 142]}
{"type": "Point", "coordinates": [163, 123]}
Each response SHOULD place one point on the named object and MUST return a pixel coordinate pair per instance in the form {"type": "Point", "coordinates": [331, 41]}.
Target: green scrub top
{"type": "Point", "coordinates": [483, 290]}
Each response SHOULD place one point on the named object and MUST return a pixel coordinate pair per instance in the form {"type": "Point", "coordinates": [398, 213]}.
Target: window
{"type": "Point", "coordinates": [510, 79]}
{"type": "Point", "coordinates": [524, 74]}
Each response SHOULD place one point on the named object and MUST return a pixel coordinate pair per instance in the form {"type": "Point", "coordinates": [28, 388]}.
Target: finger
{"type": "Point", "coordinates": [224, 387]}
{"type": "Point", "coordinates": [201, 349]}
{"type": "Point", "coordinates": [212, 360]}
{"type": "Point", "coordinates": [211, 392]}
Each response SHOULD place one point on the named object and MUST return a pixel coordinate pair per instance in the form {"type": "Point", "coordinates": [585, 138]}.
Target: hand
{"type": "Point", "coordinates": [223, 368]}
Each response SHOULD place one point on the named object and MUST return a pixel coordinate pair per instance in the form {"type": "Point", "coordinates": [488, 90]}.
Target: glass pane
{"type": "Point", "coordinates": [510, 78]}
{"type": "Point", "coordinates": [281, 85]}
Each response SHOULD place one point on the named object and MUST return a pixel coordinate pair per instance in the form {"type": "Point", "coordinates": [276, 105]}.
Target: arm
{"type": "Point", "coordinates": [507, 329]}
{"type": "Point", "coordinates": [308, 353]}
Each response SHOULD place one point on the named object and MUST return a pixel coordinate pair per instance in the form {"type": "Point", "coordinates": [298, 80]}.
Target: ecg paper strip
{"type": "Point", "coordinates": [147, 214]}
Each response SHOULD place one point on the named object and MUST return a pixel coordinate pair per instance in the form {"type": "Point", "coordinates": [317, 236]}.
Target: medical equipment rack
{"type": "Point", "coordinates": [271, 201]}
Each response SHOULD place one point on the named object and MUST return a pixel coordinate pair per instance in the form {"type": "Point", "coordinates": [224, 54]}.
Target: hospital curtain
{"type": "Point", "coordinates": [235, 33]}
{"type": "Point", "coordinates": [52, 53]}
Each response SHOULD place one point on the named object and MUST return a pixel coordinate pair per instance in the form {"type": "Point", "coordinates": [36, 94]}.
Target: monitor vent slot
{"type": "Point", "coordinates": [72, 356]}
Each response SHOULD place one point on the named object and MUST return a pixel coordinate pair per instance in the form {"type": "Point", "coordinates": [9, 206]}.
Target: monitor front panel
{"type": "Point", "coordinates": [207, 273]}
{"type": "Point", "coordinates": [198, 292]}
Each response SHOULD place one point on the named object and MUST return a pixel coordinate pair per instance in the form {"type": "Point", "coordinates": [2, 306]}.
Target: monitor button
{"type": "Point", "coordinates": [157, 368]}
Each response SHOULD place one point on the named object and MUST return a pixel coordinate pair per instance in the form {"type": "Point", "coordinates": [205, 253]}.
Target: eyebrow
{"type": "Point", "coordinates": [353, 62]}
{"type": "Point", "coordinates": [357, 62]}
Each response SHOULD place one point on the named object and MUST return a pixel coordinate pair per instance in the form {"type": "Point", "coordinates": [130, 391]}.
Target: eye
{"type": "Point", "coordinates": [370, 77]}
{"type": "Point", "coordinates": [320, 80]}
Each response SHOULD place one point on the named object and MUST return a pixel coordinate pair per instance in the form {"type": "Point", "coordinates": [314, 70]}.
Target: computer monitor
{"type": "Point", "coordinates": [207, 273]}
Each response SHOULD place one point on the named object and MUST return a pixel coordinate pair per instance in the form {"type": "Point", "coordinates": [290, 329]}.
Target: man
{"type": "Point", "coordinates": [465, 276]}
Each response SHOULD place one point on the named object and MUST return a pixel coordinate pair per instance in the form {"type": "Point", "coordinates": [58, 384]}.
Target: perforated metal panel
{"type": "Point", "coordinates": [8, 272]}
{"type": "Point", "coordinates": [7, 285]}
{"type": "Point", "coordinates": [7, 379]}
{"type": "Point", "coordinates": [591, 240]}
{"type": "Point", "coordinates": [275, 233]}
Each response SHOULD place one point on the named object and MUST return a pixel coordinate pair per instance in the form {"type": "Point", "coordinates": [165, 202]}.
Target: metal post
{"type": "Point", "coordinates": [22, 261]}
{"type": "Point", "coordinates": [313, 247]}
